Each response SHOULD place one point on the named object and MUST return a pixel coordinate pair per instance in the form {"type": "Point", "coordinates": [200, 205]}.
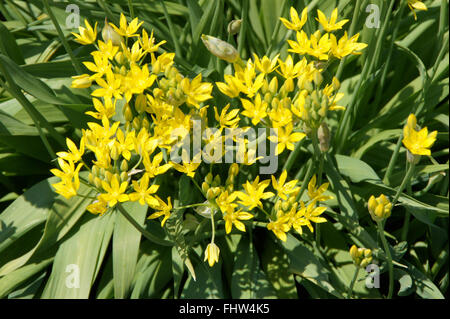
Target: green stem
{"type": "Point", "coordinates": [76, 64]}
{"type": "Point", "coordinates": [350, 34]}
{"type": "Point", "coordinates": [352, 284]}
{"type": "Point", "coordinates": [406, 179]}
{"type": "Point", "coordinates": [171, 29]}
{"type": "Point", "coordinates": [130, 6]}
{"type": "Point", "coordinates": [392, 161]}
{"type": "Point", "coordinates": [389, 259]}
{"type": "Point", "coordinates": [142, 230]}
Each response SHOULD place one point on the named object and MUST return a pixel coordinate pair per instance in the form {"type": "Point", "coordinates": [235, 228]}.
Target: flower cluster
{"type": "Point", "coordinates": [143, 105]}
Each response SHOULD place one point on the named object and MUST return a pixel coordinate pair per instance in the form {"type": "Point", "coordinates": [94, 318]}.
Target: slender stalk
{"type": "Point", "coordinates": [142, 230]}
{"type": "Point", "coordinates": [350, 34]}
{"type": "Point", "coordinates": [389, 259]}
{"type": "Point", "coordinates": [406, 179]}
{"type": "Point", "coordinates": [130, 6]}
{"type": "Point", "coordinates": [276, 30]}
{"type": "Point", "coordinates": [347, 120]}
{"type": "Point", "coordinates": [392, 161]}
{"type": "Point", "coordinates": [171, 29]}
{"type": "Point", "coordinates": [352, 284]}
{"type": "Point", "coordinates": [76, 64]}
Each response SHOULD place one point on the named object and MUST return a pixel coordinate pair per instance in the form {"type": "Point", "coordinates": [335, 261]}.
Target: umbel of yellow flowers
{"type": "Point", "coordinates": [379, 207]}
{"type": "Point", "coordinates": [361, 256]}
{"type": "Point", "coordinates": [123, 159]}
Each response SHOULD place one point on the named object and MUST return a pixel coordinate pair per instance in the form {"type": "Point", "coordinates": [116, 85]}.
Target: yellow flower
{"type": "Point", "coordinates": [143, 192]}
{"type": "Point", "coordinates": [153, 167]}
{"type": "Point", "coordinates": [162, 209]}
{"type": "Point", "coordinates": [114, 191]}
{"type": "Point", "coordinates": [148, 43]}
{"type": "Point", "coordinates": [330, 25]}
{"type": "Point", "coordinates": [256, 111]}
{"type": "Point", "coordinates": [107, 109]}
{"type": "Point", "coordinates": [234, 218]}
{"type": "Point", "coordinates": [379, 208]}
{"type": "Point", "coordinates": [98, 207]}
{"type": "Point", "coordinates": [302, 45]}
{"type": "Point", "coordinates": [187, 168]}
{"type": "Point", "coordinates": [320, 46]}
{"type": "Point", "coordinates": [127, 30]}
{"type": "Point", "coordinates": [417, 142]}
{"type": "Point", "coordinates": [229, 120]}
{"type": "Point", "coordinates": [107, 49]}
{"type": "Point", "coordinates": [70, 181]}
{"type": "Point", "coordinates": [212, 252]}
{"type": "Point", "coordinates": [110, 87]}
{"type": "Point", "coordinates": [418, 5]}
{"type": "Point", "coordinates": [225, 201]}
{"type": "Point", "coordinates": [308, 214]}
{"type": "Point", "coordinates": [285, 138]}
{"type": "Point", "coordinates": [316, 193]}
{"type": "Point", "coordinates": [346, 46]}
{"type": "Point", "coordinates": [246, 79]}
{"type": "Point", "coordinates": [196, 90]}
{"type": "Point", "coordinates": [74, 153]}
{"type": "Point", "coordinates": [280, 227]}
{"type": "Point", "coordinates": [100, 66]}
{"type": "Point", "coordinates": [296, 23]}
{"type": "Point", "coordinates": [254, 192]}
{"type": "Point", "coordinates": [87, 35]}
{"type": "Point", "coordinates": [283, 188]}
{"type": "Point", "coordinates": [265, 65]}
{"type": "Point", "coordinates": [231, 87]}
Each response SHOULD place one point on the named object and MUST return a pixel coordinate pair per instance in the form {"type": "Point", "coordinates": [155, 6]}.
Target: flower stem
{"type": "Point", "coordinates": [406, 180]}
{"type": "Point", "coordinates": [389, 259]}
{"type": "Point", "coordinates": [141, 229]}
{"type": "Point", "coordinates": [352, 284]}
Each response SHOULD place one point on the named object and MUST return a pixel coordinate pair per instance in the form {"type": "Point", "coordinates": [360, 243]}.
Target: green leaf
{"type": "Point", "coordinates": [62, 216]}
{"type": "Point", "coordinates": [126, 241]}
{"type": "Point", "coordinates": [8, 45]}
{"type": "Point", "coordinates": [78, 258]}
{"type": "Point", "coordinates": [304, 263]}
{"type": "Point", "coordinates": [355, 169]}
{"type": "Point", "coordinates": [249, 280]}
{"type": "Point", "coordinates": [208, 284]}
{"type": "Point", "coordinates": [425, 288]}
{"type": "Point", "coordinates": [275, 263]}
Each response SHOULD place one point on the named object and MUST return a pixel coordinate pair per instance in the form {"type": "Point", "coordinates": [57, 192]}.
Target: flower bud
{"type": "Point", "coordinates": [205, 187]}
{"type": "Point", "coordinates": [127, 113]}
{"type": "Point", "coordinates": [108, 33]}
{"type": "Point", "coordinates": [209, 178]}
{"type": "Point", "coordinates": [234, 169]}
{"type": "Point", "coordinates": [323, 134]}
{"type": "Point", "coordinates": [379, 208]}
{"type": "Point", "coordinates": [234, 26]}
{"type": "Point", "coordinates": [220, 49]}
{"type": "Point", "coordinates": [114, 153]}
{"type": "Point", "coordinates": [98, 182]}
{"type": "Point", "coordinates": [124, 166]}
{"type": "Point", "coordinates": [212, 252]}
{"type": "Point", "coordinates": [141, 103]}
{"type": "Point", "coordinates": [81, 81]}
{"type": "Point", "coordinates": [123, 176]}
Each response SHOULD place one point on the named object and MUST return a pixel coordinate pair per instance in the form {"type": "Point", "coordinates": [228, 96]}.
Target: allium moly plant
{"type": "Point", "coordinates": [244, 165]}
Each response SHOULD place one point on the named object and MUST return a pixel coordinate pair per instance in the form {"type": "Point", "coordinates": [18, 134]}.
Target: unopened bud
{"type": "Point", "coordinates": [234, 26]}
{"type": "Point", "coordinates": [220, 49]}
{"type": "Point", "coordinates": [323, 134]}
{"type": "Point", "coordinates": [108, 33]}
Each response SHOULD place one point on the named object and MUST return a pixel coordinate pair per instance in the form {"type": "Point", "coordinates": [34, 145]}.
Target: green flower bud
{"type": "Point", "coordinates": [220, 49]}
{"type": "Point", "coordinates": [108, 33]}
{"type": "Point", "coordinates": [234, 26]}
